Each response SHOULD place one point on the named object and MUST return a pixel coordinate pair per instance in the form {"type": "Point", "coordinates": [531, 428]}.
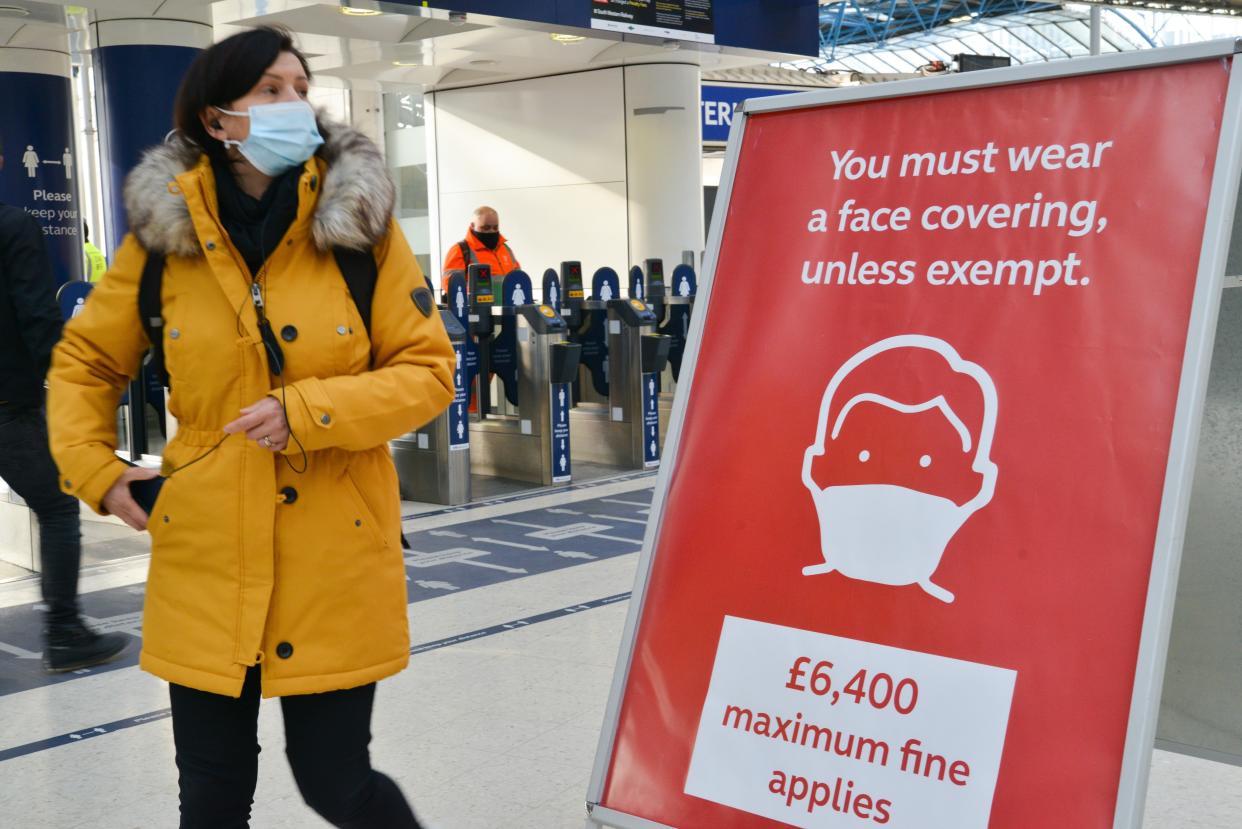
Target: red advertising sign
{"type": "Point", "coordinates": [904, 556]}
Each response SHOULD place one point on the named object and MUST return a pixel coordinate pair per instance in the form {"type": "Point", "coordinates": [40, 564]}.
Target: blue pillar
{"type": "Point", "coordinates": [36, 140]}
{"type": "Point", "coordinates": [139, 63]}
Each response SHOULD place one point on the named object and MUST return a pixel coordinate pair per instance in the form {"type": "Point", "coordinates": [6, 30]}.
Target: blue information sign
{"type": "Point", "coordinates": [718, 103]}
{"type": "Point", "coordinates": [459, 429]}
{"type": "Point", "coordinates": [40, 169]}
{"type": "Point", "coordinates": [562, 469]}
{"type": "Point", "coordinates": [651, 421]}
{"type": "Point", "coordinates": [459, 306]}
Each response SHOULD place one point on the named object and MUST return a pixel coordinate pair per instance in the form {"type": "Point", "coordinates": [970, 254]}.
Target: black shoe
{"type": "Point", "coordinates": [72, 646]}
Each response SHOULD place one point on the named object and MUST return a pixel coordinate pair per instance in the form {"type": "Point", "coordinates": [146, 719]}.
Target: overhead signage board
{"type": "Point", "coordinates": [780, 27]}
{"type": "Point", "coordinates": [674, 19]}
{"type": "Point", "coordinates": [939, 584]}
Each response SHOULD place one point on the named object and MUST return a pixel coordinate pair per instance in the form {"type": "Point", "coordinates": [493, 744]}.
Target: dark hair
{"type": "Point", "coordinates": [225, 72]}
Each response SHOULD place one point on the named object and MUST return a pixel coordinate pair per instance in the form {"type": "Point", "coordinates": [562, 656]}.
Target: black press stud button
{"type": "Point", "coordinates": [284, 650]}
{"type": "Point", "coordinates": [289, 333]}
{"type": "Point", "coordinates": [326, 419]}
{"type": "Point", "coordinates": [290, 494]}
{"type": "Point", "coordinates": [211, 246]}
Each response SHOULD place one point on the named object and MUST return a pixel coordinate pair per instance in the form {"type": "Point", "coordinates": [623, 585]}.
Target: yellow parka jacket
{"type": "Point", "coordinates": [252, 561]}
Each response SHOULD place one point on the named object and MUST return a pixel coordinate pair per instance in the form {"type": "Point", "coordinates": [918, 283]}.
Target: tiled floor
{"type": "Point", "coordinates": [494, 733]}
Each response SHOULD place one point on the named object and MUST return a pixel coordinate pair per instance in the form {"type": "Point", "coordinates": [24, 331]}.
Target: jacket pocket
{"type": "Point", "coordinates": [366, 514]}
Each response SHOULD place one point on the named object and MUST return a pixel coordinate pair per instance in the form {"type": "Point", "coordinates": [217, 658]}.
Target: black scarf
{"type": "Point", "coordinates": [256, 226]}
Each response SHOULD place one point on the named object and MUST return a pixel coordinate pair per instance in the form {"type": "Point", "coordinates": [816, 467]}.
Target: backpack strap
{"type": "Point", "coordinates": [361, 273]}
{"type": "Point", "coordinates": [151, 313]}
{"type": "Point", "coordinates": [467, 254]}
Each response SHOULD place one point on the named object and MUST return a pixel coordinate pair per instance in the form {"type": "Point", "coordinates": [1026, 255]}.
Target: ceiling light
{"type": "Point", "coordinates": [352, 12]}
{"type": "Point", "coordinates": [14, 11]}
{"type": "Point", "coordinates": [406, 63]}
{"type": "Point", "coordinates": [560, 38]}
{"type": "Point", "coordinates": [483, 62]}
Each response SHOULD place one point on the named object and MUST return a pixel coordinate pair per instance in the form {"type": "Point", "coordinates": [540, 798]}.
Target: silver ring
{"type": "Point", "coordinates": [266, 441]}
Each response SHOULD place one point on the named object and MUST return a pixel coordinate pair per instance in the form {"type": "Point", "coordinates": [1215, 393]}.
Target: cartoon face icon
{"type": "Point", "coordinates": [894, 476]}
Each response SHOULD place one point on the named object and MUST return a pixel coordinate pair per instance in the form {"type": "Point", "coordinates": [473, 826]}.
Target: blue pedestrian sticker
{"type": "Point", "coordinates": [552, 290]}
{"type": "Point", "coordinates": [651, 421]}
{"type": "Point", "coordinates": [561, 467]}
{"type": "Point", "coordinates": [459, 429]}
{"type": "Point", "coordinates": [636, 283]}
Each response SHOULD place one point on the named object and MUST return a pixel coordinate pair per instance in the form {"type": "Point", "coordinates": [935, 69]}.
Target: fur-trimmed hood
{"type": "Point", "coordinates": [354, 208]}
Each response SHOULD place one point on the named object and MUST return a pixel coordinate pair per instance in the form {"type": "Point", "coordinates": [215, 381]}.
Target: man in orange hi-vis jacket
{"type": "Point", "coordinates": [483, 244]}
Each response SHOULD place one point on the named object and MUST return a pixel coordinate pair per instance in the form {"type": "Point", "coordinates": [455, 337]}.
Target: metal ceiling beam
{"type": "Point", "coordinates": [848, 22]}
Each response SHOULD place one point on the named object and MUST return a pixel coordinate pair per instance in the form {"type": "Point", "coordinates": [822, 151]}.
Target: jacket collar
{"type": "Point", "coordinates": [355, 194]}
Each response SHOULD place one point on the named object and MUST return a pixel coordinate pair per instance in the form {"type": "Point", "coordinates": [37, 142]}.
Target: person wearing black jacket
{"type": "Point", "coordinates": [30, 326]}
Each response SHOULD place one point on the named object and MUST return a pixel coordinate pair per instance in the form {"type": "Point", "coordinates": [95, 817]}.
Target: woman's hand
{"type": "Point", "coordinates": [117, 500]}
{"type": "Point", "coordinates": [264, 423]}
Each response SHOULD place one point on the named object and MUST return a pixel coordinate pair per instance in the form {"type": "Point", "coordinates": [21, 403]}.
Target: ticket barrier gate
{"type": "Point", "coordinates": [616, 414]}
{"type": "Point", "coordinates": [525, 434]}
{"type": "Point", "coordinates": [672, 301]}
{"type": "Point", "coordinates": [433, 462]}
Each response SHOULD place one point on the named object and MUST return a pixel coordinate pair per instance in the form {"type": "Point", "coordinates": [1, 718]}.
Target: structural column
{"type": "Point", "coordinates": [664, 168]}
{"type": "Point", "coordinates": [139, 63]}
{"type": "Point", "coordinates": [36, 141]}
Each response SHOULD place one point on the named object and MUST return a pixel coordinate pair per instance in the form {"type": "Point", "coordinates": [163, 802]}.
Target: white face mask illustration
{"type": "Point", "coordinates": [886, 533]}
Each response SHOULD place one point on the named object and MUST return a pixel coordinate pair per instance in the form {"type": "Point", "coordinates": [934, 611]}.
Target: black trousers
{"type": "Point", "coordinates": [326, 739]}
{"type": "Point", "coordinates": [26, 465]}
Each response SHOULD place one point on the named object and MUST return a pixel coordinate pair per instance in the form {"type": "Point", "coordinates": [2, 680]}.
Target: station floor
{"type": "Point", "coordinates": [517, 608]}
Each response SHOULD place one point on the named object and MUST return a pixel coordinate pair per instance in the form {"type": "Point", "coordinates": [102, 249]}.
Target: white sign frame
{"type": "Point", "coordinates": [1179, 474]}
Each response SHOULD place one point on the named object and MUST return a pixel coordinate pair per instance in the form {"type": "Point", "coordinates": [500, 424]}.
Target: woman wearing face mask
{"type": "Point", "coordinates": [276, 566]}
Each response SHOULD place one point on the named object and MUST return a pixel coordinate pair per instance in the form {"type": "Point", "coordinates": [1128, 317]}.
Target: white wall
{"type": "Point", "coordinates": [548, 154]}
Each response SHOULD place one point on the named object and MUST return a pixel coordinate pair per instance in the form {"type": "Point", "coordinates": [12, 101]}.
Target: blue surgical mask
{"type": "Point", "coordinates": [282, 136]}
